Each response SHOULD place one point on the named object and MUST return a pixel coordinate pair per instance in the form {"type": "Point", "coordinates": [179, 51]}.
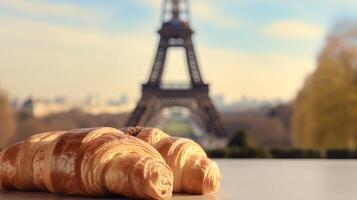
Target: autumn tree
{"type": "Point", "coordinates": [325, 110]}
{"type": "Point", "coordinates": [7, 120]}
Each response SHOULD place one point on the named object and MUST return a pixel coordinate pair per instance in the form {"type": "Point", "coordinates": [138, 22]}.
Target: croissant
{"type": "Point", "coordinates": [87, 162]}
{"type": "Point", "coordinates": [193, 171]}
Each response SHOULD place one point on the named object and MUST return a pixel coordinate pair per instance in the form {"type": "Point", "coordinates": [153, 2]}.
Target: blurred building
{"type": "Point", "coordinates": [43, 107]}
{"type": "Point", "coordinates": [244, 104]}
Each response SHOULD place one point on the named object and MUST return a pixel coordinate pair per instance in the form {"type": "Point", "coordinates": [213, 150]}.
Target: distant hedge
{"type": "Point", "coordinates": [234, 152]}
{"type": "Point", "coordinates": [341, 154]}
{"type": "Point", "coordinates": [295, 153]}
{"type": "Point", "coordinates": [285, 153]}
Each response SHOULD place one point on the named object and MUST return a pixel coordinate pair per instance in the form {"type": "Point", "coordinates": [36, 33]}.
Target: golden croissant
{"type": "Point", "coordinates": [87, 162]}
{"type": "Point", "coordinates": [193, 171]}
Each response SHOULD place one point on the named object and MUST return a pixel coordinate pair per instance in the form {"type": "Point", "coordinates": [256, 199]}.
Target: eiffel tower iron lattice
{"type": "Point", "coordinates": [176, 32]}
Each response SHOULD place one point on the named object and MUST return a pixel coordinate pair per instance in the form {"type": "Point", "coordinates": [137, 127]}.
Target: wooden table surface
{"type": "Point", "coordinates": [260, 180]}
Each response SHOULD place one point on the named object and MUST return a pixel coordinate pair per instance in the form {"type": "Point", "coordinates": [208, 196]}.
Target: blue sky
{"type": "Point", "coordinates": [256, 48]}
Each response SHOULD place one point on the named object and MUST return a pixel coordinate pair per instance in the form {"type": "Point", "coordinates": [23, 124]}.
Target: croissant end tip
{"type": "Point", "coordinates": [212, 180]}
{"type": "Point", "coordinates": [160, 181]}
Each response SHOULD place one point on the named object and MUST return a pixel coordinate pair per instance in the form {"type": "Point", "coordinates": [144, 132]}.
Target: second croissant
{"type": "Point", "coordinates": [193, 171]}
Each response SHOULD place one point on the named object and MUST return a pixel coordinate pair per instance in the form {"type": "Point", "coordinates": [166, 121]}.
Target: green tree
{"type": "Point", "coordinates": [325, 110]}
{"type": "Point", "coordinates": [241, 140]}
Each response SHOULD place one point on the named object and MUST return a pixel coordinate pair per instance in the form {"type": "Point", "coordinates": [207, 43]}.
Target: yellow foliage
{"type": "Point", "coordinates": [7, 120]}
{"type": "Point", "coordinates": [325, 110]}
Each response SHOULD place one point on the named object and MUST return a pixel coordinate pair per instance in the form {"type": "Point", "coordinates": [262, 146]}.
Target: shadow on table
{"type": "Point", "coordinates": [18, 195]}
{"type": "Point", "coordinates": [195, 197]}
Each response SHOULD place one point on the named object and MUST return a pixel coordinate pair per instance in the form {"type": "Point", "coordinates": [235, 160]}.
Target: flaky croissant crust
{"type": "Point", "coordinates": [88, 162]}
{"type": "Point", "coordinates": [193, 171]}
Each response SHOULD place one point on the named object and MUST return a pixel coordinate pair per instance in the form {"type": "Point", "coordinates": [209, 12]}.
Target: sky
{"type": "Point", "coordinates": [260, 49]}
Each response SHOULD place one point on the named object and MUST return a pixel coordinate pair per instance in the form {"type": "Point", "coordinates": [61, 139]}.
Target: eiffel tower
{"type": "Point", "coordinates": [176, 33]}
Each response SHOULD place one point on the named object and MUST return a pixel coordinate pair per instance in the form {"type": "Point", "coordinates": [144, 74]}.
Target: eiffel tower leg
{"type": "Point", "coordinates": [139, 116]}
{"type": "Point", "coordinates": [158, 67]}
{"type": "Point", "coordinates": [192, 63]}
{"type": "Point", "coordinates": [212, 116]}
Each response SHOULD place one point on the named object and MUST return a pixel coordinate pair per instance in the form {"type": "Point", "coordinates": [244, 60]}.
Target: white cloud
{"type": "Point", "coordinates": [293, 29]}
{"type": "Point", "coordinates": [47, 60]}
{"type": "Point", "coordinates": [51, 9]}
{"type": "Point", "coordinates": [259, 75]}
{"type": "Point", "coordinates": [209, 11]}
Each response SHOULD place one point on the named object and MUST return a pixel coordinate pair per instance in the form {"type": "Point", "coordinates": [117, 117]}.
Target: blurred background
{"type": "Point", "coordinates": [282, 74]}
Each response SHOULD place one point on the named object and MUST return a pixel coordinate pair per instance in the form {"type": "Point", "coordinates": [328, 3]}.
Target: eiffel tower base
{"type": "Point", "coordinates": [196, 99]}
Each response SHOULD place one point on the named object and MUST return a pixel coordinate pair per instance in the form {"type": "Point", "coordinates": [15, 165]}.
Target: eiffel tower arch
{"type": "Point", "coordinates": [176, 33]}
